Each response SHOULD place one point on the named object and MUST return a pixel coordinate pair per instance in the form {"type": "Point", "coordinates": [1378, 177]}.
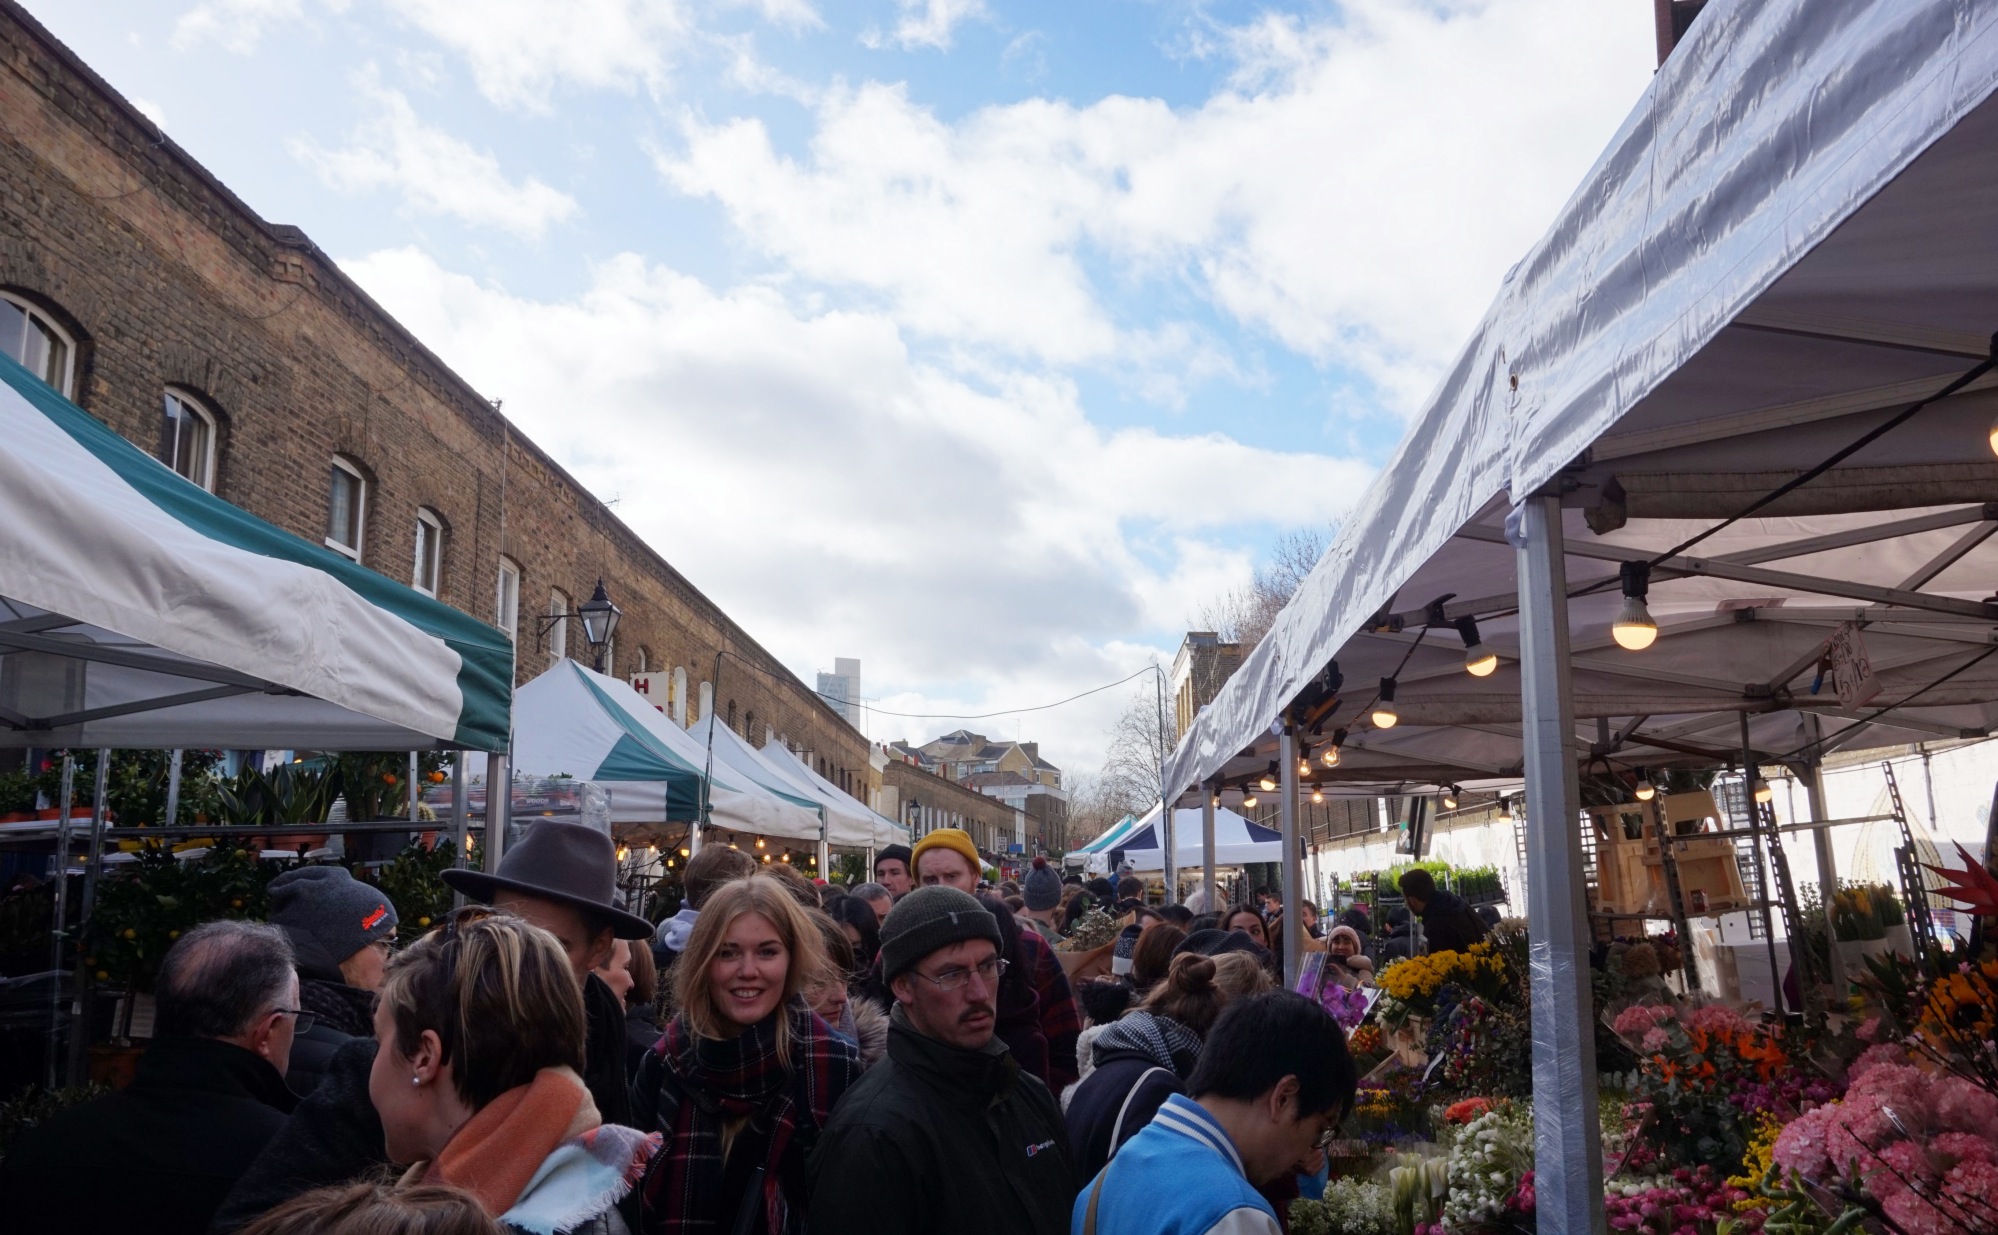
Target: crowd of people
{"type": "Point", "coordinates": [778, 1056]}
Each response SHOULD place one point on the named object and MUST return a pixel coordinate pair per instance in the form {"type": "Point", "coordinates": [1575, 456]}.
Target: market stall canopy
{"type": "Point", "coordinates": [1112, 837]}
{"type": "Point", "coordinates": [1236, 841]}
{"type": "Point", "coordinates": [577, 722]}
{"type": "Point", "coordinates": [139, 611]}
{"type": "Point", "coordinates": [855, 825]}
{"type": "Point", "coordinates": [1792, 239]}
{"type": "Point", "coordinates": [743, 762]}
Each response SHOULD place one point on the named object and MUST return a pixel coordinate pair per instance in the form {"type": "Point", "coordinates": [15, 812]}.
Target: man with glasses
{"type": "Point", "coordinates": [947, 1132]}
{"type": "Point", "coordinates": [160, 1154]}
{"type": "Point", "coordinates": [1272, 1084]}
{"type": "Point", "coordinates": [341, 930]}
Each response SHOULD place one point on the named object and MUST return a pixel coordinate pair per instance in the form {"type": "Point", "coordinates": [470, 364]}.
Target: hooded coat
{"type": "Point", "coordinates": [937, 1138]}
{"type": "Point", "coordinates": [1140, 1061]}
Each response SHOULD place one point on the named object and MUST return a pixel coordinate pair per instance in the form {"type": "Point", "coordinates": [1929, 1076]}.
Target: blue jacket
{"type": "Point", "coordinates": [1179, 1176]}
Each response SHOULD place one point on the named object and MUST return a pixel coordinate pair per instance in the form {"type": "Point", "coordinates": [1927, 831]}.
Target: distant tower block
{"type": "Point", "coordinates": [841, 689]}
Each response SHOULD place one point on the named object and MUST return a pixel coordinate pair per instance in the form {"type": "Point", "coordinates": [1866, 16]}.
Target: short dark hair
{"type": "Point", "coordinates": [857, 913]}
{"type": "Point", "coordinates": [1129, 889]}
{"type": "Point", "coordinates": [712, 867]}
{"type": "Point", "coordinates": [219, 978]}
{"type": "Point", "coordinates": [1153, 954]}
{"type": "Point", "coordinates": [1418, 883]}
{"type": "Point", "coordinates": [1260, 1040]}
{"type": "Point", "coordinates": [1178, 915]}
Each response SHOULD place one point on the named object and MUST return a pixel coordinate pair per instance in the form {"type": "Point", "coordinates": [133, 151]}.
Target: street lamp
{"type": "Point", "coordinates": [600, 619]}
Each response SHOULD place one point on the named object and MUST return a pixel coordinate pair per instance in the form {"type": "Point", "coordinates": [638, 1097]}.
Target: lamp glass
{"type": "Point", "coordinates": [1646, 791]}
{"type": "Point", "coordinates": [600, 617]}
{"type": "Point", "coordinates": [1634, 630]}
{"type": "Point", "coordinates": [1318, 795]}
{"type": "Point", "coordinates": [1385, 717]}
{"type": "Point", "coordinates": [1267, 783]}
{"type": "Point", "coordinates": [1331, 757]}
{"type": "Point", "coordinates": [1763, 792]}
{"type": "Point", "coordinates": [1249, 802]}
{"type": "Point", "coordinates": [1480, 661]}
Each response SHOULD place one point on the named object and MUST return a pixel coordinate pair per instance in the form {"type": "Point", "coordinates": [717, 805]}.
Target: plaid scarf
{"type": "Point", "coordinates": [707, 1083]}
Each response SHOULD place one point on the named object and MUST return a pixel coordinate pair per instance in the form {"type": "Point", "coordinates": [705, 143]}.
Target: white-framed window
{"type": "Point", "coordinates": [43, 348]}
{"type": "Point", "coordinates": [506, 605]}
{"type": "Point", "coordinates": [558, 630]}
{"type": "Point", "coordinates": [346, 508]}
{"type": "Point", "coordinates": [187, 437]}
{"type": "Point", "coordinates": [429, 551]}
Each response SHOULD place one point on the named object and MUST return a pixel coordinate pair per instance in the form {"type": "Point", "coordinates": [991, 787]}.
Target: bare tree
{"type": "Point", "coordinates": [1245, 614]}
{"type": "Point", "coordinates": [1095, 803]}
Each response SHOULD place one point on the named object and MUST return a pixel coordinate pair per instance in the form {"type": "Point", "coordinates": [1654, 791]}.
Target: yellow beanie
{"type": "Point", "coordinates": [956, 839]}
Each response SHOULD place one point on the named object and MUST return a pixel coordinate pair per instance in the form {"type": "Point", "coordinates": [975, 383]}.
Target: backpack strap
{"type": "Point", "coordinates": [1117, 1129]}
{"type": "Point", "coordinates": [1095, 1195]}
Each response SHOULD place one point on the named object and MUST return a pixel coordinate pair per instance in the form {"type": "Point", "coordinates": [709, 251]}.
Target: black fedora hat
{"type": "Point", "coordinates": [563, 862]}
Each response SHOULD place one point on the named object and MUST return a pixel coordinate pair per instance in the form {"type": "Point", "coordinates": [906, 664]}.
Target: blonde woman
{"type": "Point", "coordinates": [478, 1078]}
{"type": "Point", "coordinates": [746, 1075]}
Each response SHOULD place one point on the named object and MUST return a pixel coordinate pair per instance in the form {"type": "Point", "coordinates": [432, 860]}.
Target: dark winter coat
{"type": "Point", "coordinates": [934, 1138]}
{"type": "Point", "coordinates": [344, 1013]}
{"type": "Point", "coordinates": [604, 1053]}
{"type": "Point", "coordinates": [641, 1032]}
{"type": "Point", "coordinates": [1138, 1062]}
{"type": "Point", "coordinates": [1448, 925]}
{"type": "Point", "coordinates": [159, 1155]}
{"type": "Point", "coordinates": [333, 1136]}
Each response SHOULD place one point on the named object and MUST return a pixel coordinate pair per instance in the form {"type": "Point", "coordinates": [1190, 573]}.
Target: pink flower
{"type": "Point", "coordinates": [1972, 1186]}
{"type": "Point", "coordinates": [1963, 1107]}
{"type": "Point", "coordinates": [1874, 1056]}
{"type": "Point", "coordinates": [1714, 1017]}
{"type": "Point", "coordinates": [1800, 1147]}
{"type": "Point", "coordinates": [1869, 1030]}
{"type": "Point", "coordinates": [1966, 1146]}
{"type": "Point", "coordinates": [1655, 1039]}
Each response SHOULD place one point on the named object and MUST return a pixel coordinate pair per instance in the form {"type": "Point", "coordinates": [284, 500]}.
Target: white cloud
{"type": "Point", "coordinates": [520, 50]}
{"type": "Point", "coordinates": [435, 172]}
{"type": "Point", "coordinates": [238, 25]}
{"type": "Point", "coordinates": [1355, 192]}
{"type": "Point", "coordinates": [927, 24]}
{"type": "Point", "coordinates": [837, 495]}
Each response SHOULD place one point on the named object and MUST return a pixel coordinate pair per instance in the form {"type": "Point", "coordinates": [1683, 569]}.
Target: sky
{"type": "Point", "coordinates": [984, 341]}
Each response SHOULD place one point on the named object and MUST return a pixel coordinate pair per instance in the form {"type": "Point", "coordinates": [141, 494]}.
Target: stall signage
{"type": "Point", "coordinates": [655, 687]}
{"type": "Point", "coordinates": [1851, 671]}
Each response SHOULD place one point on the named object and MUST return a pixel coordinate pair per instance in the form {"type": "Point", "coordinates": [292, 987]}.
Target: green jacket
{"type": "Point", "coordinates": [935, 1138]}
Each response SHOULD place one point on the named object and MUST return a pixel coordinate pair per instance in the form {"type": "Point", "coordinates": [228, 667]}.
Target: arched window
{"type": "Point", "coordinates": [429, 568]}
{"type": "Point", "coordinates": [558, 630]}
{"type": "Point", "coordinates": [346, 507]}
{"type": "Point", "coordinates": [187, 437]}
{"type": "Point", "coordinates": [731, 713]}
{"type": "Point", "coordinates": [43, 348]}
{"type": "Point", "coordinates": [749, 725]}
{"type": "Point", "coordinates": [644, 660]}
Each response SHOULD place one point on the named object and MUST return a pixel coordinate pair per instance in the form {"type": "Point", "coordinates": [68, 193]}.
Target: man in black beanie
{"type": "Point", "coordinates": [341, 930]}
{"type": "Point", "coordinates": [947, 1132]}
{"type": "Point", "coordinates": [891, 870]}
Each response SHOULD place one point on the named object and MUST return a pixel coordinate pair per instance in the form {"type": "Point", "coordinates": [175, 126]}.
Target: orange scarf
{"type": "Point", "coordinates": [496, 1152]}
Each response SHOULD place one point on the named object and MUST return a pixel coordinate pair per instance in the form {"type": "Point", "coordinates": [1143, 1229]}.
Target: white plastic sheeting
{"type": "Point", "coordinates": [1794, 229]}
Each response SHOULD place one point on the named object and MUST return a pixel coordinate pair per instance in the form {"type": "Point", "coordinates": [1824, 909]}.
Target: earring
{"type": "Point", "coordinates": [416, 1080]}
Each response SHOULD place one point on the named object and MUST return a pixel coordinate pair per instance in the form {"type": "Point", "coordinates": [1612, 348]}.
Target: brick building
{"type": "Point", "coordinates": [236, 351]}
{"type": "Point", "coordinates": [925, 801]}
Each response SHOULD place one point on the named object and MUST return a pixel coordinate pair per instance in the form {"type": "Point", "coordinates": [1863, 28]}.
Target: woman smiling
{"type": "Point", "coordinates": [746, 1074]}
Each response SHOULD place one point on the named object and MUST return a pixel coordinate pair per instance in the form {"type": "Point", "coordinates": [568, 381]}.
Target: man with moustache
{"type": "Point", "coordinates": [947, 1132]}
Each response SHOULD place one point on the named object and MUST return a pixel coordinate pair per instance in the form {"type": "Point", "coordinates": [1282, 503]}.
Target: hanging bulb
{"type": "Point", "coordinates": [1304, 768]}
{"type": "Point", "coordinates": [1450, 798]}
{"type": "Point", "coordinates": [1634, 630]}
{"type": "Point", "coordinates": [1763, 793]}
{"type": "Point", "coordinates": [1318, 795]}
{"type": "Point", "coordinates": [766, 857]}
{"type": "Point", "coordinates": [1385, 717]}
{"type": "Point", "coordinates": [1249, 801]}
{"type": "Point", "coordinates": [1331, 756]}
{"type": "Point", "coordinates": [686, 852]}
{"type": "Point", "coordinates": [1479, 660]}
{"type": "Point", "coordinates": [1645, 789]}
{"type": "Point", "coordinates": [1268, 783]}
{"type": "Point", "coordinates": [621, 852]}
{"type": "Point", "coordinates": [1217, 801]}
{"type": "Point", "coordinates": [786, 857]}
{"type": "Point", "coordinates": [1994, 437]}
{"type": "Point", "coordinates": [759, 842]}
{"type": "Point", "coordinates": [669, 863]}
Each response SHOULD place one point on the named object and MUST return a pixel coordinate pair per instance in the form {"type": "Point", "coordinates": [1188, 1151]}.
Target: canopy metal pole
{"type": "Point", "coordinates": [1207, 793]}
{"type": "Point", "coordinates": [415, 804]}
{"type": "Point", "coordinates": [61, 930]}
{"type": "Point", "coordinates": [499, 804]}
{"type": "Point", "coordinates": [1567, 1158]}
{"type": "Point", "coordinates": [825, 848]}
{"type": "Point", "coordinates": [1293, 921]}
{"type": "Point", "coordinates": [173, 789]}
{"type": "Point", "coordinates": [460, 821]}
{"type": "Point", "coordinates": [1821, 841]}
{"type": "Point", "coordinates": [79, 1029]}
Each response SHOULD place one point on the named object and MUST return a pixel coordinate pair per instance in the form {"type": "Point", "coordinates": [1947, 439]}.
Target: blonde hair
{"type": "Point", "coordinates": [500, 995]}
{"type": "Point", "coordinates": [771, 900]}
{"type": "Point", "coordinates": [378, 1207]}
{"type": "Point", "coordinates": [1196, 988]}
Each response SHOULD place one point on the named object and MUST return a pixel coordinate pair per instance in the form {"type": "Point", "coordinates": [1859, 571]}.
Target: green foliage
{"type": "Point", "coordinates": [414, 884]}
{"type": "Point", "coordinates": [850, 869]}
{"type": "Point", "coordinates": [375, 784]}
{"type": "Point", "coordinates": [35, 1105]}
{"type": "Point", "coordinates": [17, 791]}
{"type": "Point", "coordinates": [26, 914]}
{"type": "Point", "coordinates": [288, 794]}
{"type": "Point", "coordinates": [143, 909]}
{"type": "Point", "coordinates": [135, 792]}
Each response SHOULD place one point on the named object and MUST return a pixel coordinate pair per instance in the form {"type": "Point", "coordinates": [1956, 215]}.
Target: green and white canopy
{"type": "Point", "coordinates": [572, 721]}
{"type": "Point", "coordinates": [137, 610]}
{"type": "Point", "coordinates": [849, 823]}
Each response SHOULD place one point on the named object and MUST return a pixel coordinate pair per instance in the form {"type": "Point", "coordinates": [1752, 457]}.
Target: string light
{"type": "Point", "coordinates": [1268, 783]}
{"type": "Point", "coordinates": [1645, 789]}
{"type": "Point", "coordinates": [766, 857]}
{"type": "Point", "coordinates": [1249, 801]}
{"type": "Point", "coordinates": [1450, 797]}
{"type": "Point", "coordinates": [1318, 795]}
{"type": "Point", "coordinates": [685, 852]}
{"type": "Point", "coordinates": [1763, 793]}
{"type": "Point", "coordinates": [621, 852]}
{"type": "Point", "coordinates": [1385, 717]}
{"type": "Point", "coordinates": [1331, 756]}
{"type": "Point", "coordinates": [759, 842]}
{"type": "Point", "coordinates": [1634, 630]}
{"type": "Point", "coordinates": [1479, 660]}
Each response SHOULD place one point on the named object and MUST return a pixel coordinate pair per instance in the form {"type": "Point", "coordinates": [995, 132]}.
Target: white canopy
{"type": "Point", "coordinates": [861, 824]}
{"type": "Point", "coordinates": [577, 722]}
{"type": "Point", "coordinates": [1236, 841]}
{"type": "Point", "coordinates": [138, 610]}
{"type": "Point", "coordinates": [743, 761]}
{"type": "Point", "coordinates": [1792, 237]}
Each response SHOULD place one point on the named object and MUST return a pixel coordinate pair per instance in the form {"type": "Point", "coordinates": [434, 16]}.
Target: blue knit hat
{"type": "Point", "coordinates": [1126, 948]}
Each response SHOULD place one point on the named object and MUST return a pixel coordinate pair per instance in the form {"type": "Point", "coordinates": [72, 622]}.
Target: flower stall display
{"type": "Point", "coordinates": [1489, 1157]}
{"type": "Point", "coordinates": [1348, 1207]}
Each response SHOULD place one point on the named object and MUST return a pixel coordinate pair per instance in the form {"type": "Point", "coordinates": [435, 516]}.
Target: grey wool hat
{"type": "Point", "coordinates": [329, 915]}
{"type": "Point", "coordinates": [928, 919]}
{"type": "Point", "coordinates": [1042, 887]}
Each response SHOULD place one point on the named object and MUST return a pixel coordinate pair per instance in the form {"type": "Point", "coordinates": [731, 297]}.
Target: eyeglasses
{"type": "Point", "coordinates": [992, 968]}
{"type": "Point", "coordinates": [304, 1022]}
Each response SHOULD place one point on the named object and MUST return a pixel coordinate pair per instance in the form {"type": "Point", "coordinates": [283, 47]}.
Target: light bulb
{"type": "Point", "coordinates": [1634, 630]}
{"type": "Point", "coordinates": [1763, 792]}
{"type": "Point", "coordinates": [1331, 756]}
{"type": "Point", "coordinates": [786, 857]}
{"type": "Point", "coordinates": [759, 842]}
{"type": "Point", "coordinates": [1994, 437]}
{"type": "Point", "coordinates": [1480, 661]}
{"type": "Point", "coordinates": [1268, 783]}
{"type": "Point", "coordinates": [686, 853]}
{"type": "Point", "coordinates": [766, 857]}
{"type": "Point", "coordinates": [1304, 768]}
{"type": "Point", "coordinates": [1450, 798]}
{"type": "Point", "coordinates": [1249, 802]}
{"type": "Point", "coordinates": [1385, 717]}
{"type": "Point", "coordinates": [669, 863]}
{"type": "Point", "coordinates": [1318, 795]}
{"type": "Point", "coordinates": [621, 852]}
{"type": "Point", "coordinates": [1645, 790]}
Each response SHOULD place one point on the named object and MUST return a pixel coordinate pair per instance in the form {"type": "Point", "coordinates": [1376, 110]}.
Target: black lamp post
{"type": "Point", "coordinates": [600, 618]}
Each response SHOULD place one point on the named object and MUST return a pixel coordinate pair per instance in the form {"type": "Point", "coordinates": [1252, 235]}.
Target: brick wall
{"type": "Point", "coordinates": [163, 277]}
{"type": "Point", "coordinates": [940, 803]}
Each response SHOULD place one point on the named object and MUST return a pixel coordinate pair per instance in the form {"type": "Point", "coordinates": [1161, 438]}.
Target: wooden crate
{"type": "Point", "coordinates": [1630, 871]}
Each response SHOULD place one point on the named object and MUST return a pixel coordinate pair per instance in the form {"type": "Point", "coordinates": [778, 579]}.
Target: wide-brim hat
{"type": "Point", "coordinates": [562, 862]}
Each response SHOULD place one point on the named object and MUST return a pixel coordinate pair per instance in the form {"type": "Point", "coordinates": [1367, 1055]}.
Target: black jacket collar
{"type": "Point", "coordinates": [210, 1066]}
{"type": "Point", "coordinates": [977, 1077]}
